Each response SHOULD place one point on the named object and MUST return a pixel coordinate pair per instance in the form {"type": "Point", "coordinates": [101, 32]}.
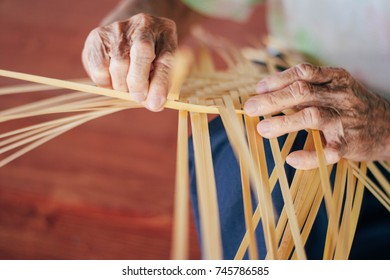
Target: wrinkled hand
{"type": "Point", "coordinates": [133, 56]}
{"type": "Point", "coordinates": [355, 123]}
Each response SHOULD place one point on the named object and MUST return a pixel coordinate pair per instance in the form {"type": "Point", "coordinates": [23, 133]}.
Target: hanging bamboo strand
{"type": "Point", "coordinates": [181, 211]}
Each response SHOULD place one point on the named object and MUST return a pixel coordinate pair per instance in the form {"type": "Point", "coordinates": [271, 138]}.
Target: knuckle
{"type": "Point", "coordinates": [165, 60]}
{"type": "Point", "coordinates": [96, 37]}
{"type": "Point", "coordinates": [343, 72]}
{"type": "Point", "coordinates": [305, 70]}
{"type": "Point", "coordinates": [311, 116]}
{"type": "Point", "coordinates": [345, 77]}
{"type": "Point", "coordinates": [169, 24]}
{"type": "Point", "coordinates": [142, 18]}
{"type": "Point", "coordinates": [285, 121]}
{"type": "Point", "coordinates": [299, 89]}
{"type": "Point", "coordinates": [162, 68]}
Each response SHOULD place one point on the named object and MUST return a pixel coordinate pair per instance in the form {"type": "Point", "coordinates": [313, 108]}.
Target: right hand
{"type": "Point", "coordinates": [135, 56]}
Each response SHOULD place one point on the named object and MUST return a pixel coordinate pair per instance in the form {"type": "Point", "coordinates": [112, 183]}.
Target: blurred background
{"type": "Point", "coordinates": [103, 190]}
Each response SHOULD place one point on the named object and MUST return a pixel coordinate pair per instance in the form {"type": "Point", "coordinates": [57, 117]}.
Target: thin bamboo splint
{"type": "Point", "coordinates": [197, 90]}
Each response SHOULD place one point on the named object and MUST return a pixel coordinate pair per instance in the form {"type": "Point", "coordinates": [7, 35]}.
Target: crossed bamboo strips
{"type": "Point", "coordinates": [198, 89]}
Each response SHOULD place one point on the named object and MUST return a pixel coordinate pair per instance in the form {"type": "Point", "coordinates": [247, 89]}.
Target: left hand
{"type": "Point", "coordinates": [355, 122]}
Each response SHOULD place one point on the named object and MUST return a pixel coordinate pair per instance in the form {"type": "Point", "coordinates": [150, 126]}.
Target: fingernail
{"type": "Point", "coordinates": [262, 87]}
{"type": "Point", "coordinates": [264, 128]}
{"type": "Point", "coordinates": [250, 107]}
{"type": "Point", "coordinates": [293, 161]}
{"type": "Point", "coordinates": [137, 97]}
{"type": "Point", "coordinates": [155, 103]}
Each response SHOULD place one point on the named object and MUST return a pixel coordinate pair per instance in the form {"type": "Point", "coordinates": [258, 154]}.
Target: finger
{"type": "Point", "coordinates": [302, 72]}
{"type": "Point", "coordinates": [96, 60]}
{"type": "Point", "coordinates": [307, 118]}
{"type": "Point", "coordinates": [142, 55]}
{"type": "Point", "coordinates": [160, 82]}
{"type": "Point", "coordinates": [297, 94]}
{"type": "Point", "coordinates": [119, 67]}
{"type": "Point", "coordinates": [306, 160]}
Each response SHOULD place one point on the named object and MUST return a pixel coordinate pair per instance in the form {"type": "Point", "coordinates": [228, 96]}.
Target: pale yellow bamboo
{"type": "Point", "coordinates": [181, 212]}
{"type": "Point", "coordinates": [246, 189]}
{"type": "Point", "coordinates": [357, 203]}
{"type": "Point", "coordinates": [181, 69]}
{"type": "Point", "coordinates": [41, 141]}
{"type": "Point", "coordinates": [373, 188]}
{"type": "Point", "coordinates": [313, 208]}
{"type": "Point", "coordinates": [238, 142]}
{"type": "Point", "coordinates": [270, 183]}
{"type": "Point", "coordinates": [292, 218]}
{"type": "Point", "coordinates": [106, 92]}
{"type": "Point", "coordinates": [298, 190]}
{"type": "Point", "coordinates": [342, 242]}
{"type": "Point", "coordinates": [338, 194]}
{"type": "Point", "coordinates": [210, 228]}
{"type": "Point", "coordinates": [17, 89]}
{"type": "Point", "coordinates": [45, 103]}
{"type": "Point", "coordinates": [215, 225]}
{"type": "Point", "coordinates": [330, 208]}
{"type": "Point", "coordinates": [303, 204]}
{"type": "Point", "coordinates": [384, 183]}
{"type": "Point", "coordinates": [38, 126]}
{"type": "Point", "coordinates": [76, 106]}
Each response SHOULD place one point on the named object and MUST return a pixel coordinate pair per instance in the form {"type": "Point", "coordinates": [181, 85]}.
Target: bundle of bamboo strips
{"type": "Point", "coordinates": [198, 89]}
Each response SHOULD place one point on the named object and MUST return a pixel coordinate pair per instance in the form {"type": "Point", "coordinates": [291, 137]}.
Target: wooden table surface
{"type": "Point", "coordinates": [103, 190]}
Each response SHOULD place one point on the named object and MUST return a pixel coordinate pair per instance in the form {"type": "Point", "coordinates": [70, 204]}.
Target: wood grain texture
{"type": "Point", "coordinates": [103, 190]}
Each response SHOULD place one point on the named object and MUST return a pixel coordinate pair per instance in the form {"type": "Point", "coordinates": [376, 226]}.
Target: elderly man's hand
{"type": "Point", "coordinates": [355, 122]}
{"type": "Point", "coordinates": [133, 56]}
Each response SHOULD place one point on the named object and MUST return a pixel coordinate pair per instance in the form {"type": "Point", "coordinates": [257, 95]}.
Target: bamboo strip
{"type": "Point", "coordinates": [80, 105]}
{"type": "Point", "coordinates": [293, 221]}
{"type": "Point", "coordinates": [37, 126]}
{"type": "Point", "coordinates": [313, 211]}
{"type": "Point", "coordinates": [312, 208]}
{"type": "Point", "coordinates": [45, 103]}
{"type": "Point", "coordinates": [341, 250]}
{"type": "Point", "coordinates": [181, 69]}
{"type": "Point", "coordinates": [330, 208]}
{"type": "Point", "coordinates": [24, 140]}
{"type": "Point", "coordinates": [269, 184]}
{"type": "Point", "coordinates": [373, 188]}
{"type": "Point", "coordinates": [215, 225]}
{"type": "Point", "coordinates": [210, 229]}
{"type": "Point", "coordinates": [41, 141]}
{"type": "Point", "coordinates": [283, 232]}
{"type": "Point", "coordinates": [301, 183]}
{"type": "Point", "coordinates": [28, 88]}
{"type": "Point", "coordinates": [239, 145]}
{"type": "Point", "coordinates": [31, 132]}
{"type": "Point", "coordinates": [385, 165]}
{"type": "Point", "coordinates": [357, 203]}
{"type": "Point", "coordinates": [246, 189]}
{"type": "Point", "coordinates": [384, 183]}
{"type": "Point", "coordinates": [181, 211]}
{"type": "Point", "coordinates": [338, 194]}
{"type": "Point", "coordinates": [106, 92]}
{"type": "Point", "coordinates": [33, 138]}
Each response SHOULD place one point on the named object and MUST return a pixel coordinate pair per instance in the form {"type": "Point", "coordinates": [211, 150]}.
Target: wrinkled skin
{"type": "Point", "coordinates": [355, 123]}
{"type": "Point", "coordinates": [134, 56]}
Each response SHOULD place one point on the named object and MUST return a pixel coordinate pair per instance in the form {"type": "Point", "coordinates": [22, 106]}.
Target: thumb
{"type": "Point", "coordinates": [306, 160]}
